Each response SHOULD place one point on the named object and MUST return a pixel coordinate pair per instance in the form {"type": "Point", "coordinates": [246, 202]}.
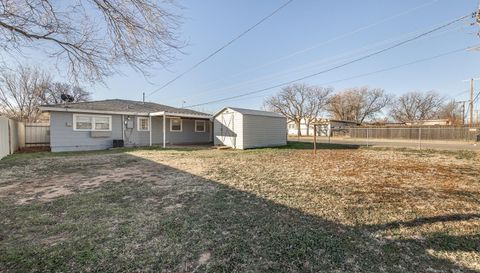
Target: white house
{"type": "Point", "coordinates": [330, 126]}
{"type": "Point", "coordinates": [245, 128]}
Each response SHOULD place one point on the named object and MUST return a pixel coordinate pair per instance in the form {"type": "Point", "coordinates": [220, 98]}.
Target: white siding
{"type": "Point", "coordinates": [221, 133]}
{"type": "Point", "coordinates": [250, 131]}
{"type": "Point", "coordinates": [12, 136]}
{"type": "Point", "coordinates": [262, 131]}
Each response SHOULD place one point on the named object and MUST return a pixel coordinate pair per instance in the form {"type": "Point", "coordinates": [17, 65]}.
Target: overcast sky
{"type": "Point", "coordinates": [305, 37]}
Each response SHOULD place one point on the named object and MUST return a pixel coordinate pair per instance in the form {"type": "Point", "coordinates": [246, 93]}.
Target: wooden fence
{"type": "Point", "coordinates": [417, 133]}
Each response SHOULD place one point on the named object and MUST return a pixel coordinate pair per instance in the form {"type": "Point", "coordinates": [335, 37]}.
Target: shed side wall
{"type": "Point", "coordinates": [264, 131]}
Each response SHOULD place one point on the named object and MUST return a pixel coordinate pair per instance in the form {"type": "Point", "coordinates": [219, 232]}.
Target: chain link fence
{"type": "Point", "coordinates": [462, 134]}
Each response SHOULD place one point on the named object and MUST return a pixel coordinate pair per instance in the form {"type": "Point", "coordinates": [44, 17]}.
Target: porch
{"type": "Point", "coordinates": [167, 128]}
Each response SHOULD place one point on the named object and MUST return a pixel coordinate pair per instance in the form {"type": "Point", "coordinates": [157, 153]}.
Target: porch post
{"type": "Point", "coordinates": [164, 132]}
{"type": "Point", "coordinates": [150, 128]}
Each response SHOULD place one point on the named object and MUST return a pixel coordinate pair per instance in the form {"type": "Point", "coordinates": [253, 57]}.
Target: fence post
{"type": "Point", "coordinates": [367, 137]}
{"type": "Point", "coordinates": [419, 137]}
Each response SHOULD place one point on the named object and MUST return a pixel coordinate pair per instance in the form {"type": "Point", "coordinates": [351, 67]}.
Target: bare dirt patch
{"type": "Point", "coordinates": [270, 210]}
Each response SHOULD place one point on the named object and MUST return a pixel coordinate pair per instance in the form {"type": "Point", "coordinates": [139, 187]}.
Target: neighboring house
{"type": "Point", "coordinates": [244, 128]}
{"type": "Point", "coordinates": [96, 125]}
{"type": "Point", "coordinates": [430, 122]}
{"type": "Point", "coordinates": [293, 130]}
{"type": "Point", "coordinates": [327, 127]}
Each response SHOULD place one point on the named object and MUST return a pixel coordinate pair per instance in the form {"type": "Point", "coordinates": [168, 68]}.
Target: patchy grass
{"type": "Point", "coordinates": [263, 210]}
{"type": "Point", "coordinates": [460, 154]}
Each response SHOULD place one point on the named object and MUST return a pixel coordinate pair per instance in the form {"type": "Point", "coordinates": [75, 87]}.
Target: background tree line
{"type": "Point", "coordinates": [24, 89]}
{"type": "Point", "coordinates": [302, 103]}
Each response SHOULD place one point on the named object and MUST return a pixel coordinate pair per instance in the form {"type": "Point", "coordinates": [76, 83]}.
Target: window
{"type": "Point", "coordinates": [91, 123]}
{"type": "Point", "coordinates": [200, 126]}
{"type": "Point", "coordinates": [175, 125]}
{"type": "Point", "coordinates": [102, 123]}
{"type": "Point", "coordinates": [143, 124]}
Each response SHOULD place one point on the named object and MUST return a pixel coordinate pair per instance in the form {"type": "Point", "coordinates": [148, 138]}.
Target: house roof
{"type": "Point", "coordinates": [251, 112]}
{"type": "Point", "coordinates": [120, 106]}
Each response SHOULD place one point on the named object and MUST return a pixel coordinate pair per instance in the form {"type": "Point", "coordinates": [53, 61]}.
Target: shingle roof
{"type": "Point", "coordinates": [252, 112]}
{"type": "Point", "coordinates": [128, 106]}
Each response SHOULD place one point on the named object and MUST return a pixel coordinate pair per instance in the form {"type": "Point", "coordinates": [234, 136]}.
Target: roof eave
{"type": "Point", "coordinates": [73, 110]}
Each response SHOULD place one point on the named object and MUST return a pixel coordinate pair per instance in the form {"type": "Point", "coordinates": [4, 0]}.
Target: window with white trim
{"type": "Point", "coordinates": [175, 125]}
{"type": "Point", "coordinates": [200, 126]}
{"type": "Point", "coordinates": [143, 124]}
{"type": "Point", "coordinates": [82, 122]}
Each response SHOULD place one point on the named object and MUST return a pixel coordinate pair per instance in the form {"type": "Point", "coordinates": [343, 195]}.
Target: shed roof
{"type": "Point", "coordinates": [251, 112]}
{"type": "Point", "coordinates": [119, 105]}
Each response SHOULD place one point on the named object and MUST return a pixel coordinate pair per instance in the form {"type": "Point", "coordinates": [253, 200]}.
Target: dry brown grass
{"type": "Point", "coordinates": [260, 210]}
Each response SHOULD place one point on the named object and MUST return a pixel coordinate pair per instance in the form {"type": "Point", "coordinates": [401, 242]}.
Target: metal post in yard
{"type": "Point", "coordinates": [367, 136]}
{"type": "Point", "coordinates": [419, 137]}
{"type": "Point", "coordinates": [314, 139]}
{"type": "Point", "coordinates": [329, 131]}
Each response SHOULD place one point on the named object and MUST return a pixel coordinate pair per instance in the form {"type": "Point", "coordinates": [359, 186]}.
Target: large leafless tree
{"type": "Point", "coordinates": [358, 104]}
{"type": "Point", "coordinates": [91, 37]}
{"type": "Point", "coordinates": [299, 102]}
{"type": "Point", "coordinates": [23, 90]}
{"type": "Point", "coordinates": [414, 106]}
{"type": "Point", "coordinates": [451, 111]}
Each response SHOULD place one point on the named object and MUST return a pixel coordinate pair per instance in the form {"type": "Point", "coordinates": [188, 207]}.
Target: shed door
{"type": "Point", "coordinates": [227, 130]}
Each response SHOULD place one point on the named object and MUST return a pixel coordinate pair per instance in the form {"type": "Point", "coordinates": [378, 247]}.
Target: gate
{"type": "Point", "coordinates": [37, 134]}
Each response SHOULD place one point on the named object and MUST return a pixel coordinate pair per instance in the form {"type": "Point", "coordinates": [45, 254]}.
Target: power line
{"type": "Point", "coordinates": [221, 48]}
{"type": "Point", "coordinates": [332, 60]}
{"type": "Point", "coordinates": [396, 67]}
{"type": "Point", "coordinates": [340, 65]}
{"type": "Point", "coordinates": [333, 39]}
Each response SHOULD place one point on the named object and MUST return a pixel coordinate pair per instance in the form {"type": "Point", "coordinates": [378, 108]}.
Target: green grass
{"type": "Point", "coordinates": [296, 145]}
{"type": "Point", "coordinates": [264, 210]}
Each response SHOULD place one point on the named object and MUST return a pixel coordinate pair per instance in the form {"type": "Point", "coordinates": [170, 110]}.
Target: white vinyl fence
{"type": "Point", "coordinates": [12, 136]}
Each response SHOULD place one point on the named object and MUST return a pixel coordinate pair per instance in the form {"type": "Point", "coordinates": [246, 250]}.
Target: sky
{"type": "Point", "coordinates": [305, 37]}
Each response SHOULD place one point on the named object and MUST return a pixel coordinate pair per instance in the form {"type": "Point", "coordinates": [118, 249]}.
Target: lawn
{"type": "Point", "coordinates": [347, 209]}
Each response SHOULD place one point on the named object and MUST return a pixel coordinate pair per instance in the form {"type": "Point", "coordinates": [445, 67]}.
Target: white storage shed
{"type": "Point", "coordinates": [245, 128]}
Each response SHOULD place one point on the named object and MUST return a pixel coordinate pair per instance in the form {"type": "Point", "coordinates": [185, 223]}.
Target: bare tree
{"type": "Point", "coordinates": [22, 92]}
{"type": "Point", "coordinates": [53, 93]}
{"type": "Point", "coordinates": [358, 104]}
{"type": "Point", "coordinates": [92, 37]}
{"type": "Point", "coordinates": [317, 100]}
{"type": "Point", "coordinates": [416, 106]}
{"type": "Point", "coordinates": [451, 111]}
{"type": "Point", "coordinates": [299, 102]}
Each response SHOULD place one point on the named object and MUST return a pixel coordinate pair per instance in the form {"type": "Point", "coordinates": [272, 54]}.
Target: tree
{"type": "Point", "coordinates": [91, 37]}
{"type": "Point", "coordinates": [414, 106]}
{"type": "Point", "coordinates": [358, 104]}
{"type": "Point", "coordinates": [299, 102]}
{"type": "Point", "coordinates": [53, 93]}
{"type": "Point", "coordinates": [317, 100]}
{"type": "Point", "coordinates": [22, 92]}
{"type": "Point", "coordinates": [451, 111]}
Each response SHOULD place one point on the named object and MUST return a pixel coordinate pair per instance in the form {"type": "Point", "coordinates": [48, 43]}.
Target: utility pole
{"type": "Point", "coordinates": [143, 99]}
{"type": "Point", "coordinates": [470, 105]}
